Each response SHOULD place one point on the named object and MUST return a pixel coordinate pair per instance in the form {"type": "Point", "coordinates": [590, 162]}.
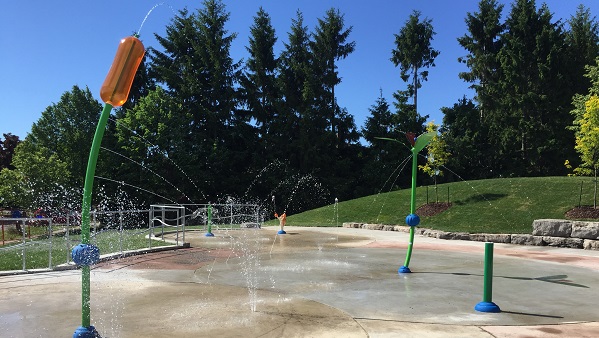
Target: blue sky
{"type": "Point", "coordinates": [46, 47]}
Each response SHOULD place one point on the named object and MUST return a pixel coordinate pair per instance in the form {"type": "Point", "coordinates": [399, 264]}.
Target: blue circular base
{"type": "Point", "coordinates": [487, 307]}
{"type": "Point", "coordinates": [404, 269]}
{"type": "Point", "coordinates": [281, 232]}
{"type": "Point", "coordinates": [86, 332]}
{"type": "Point", "coordinates": [209, 234]}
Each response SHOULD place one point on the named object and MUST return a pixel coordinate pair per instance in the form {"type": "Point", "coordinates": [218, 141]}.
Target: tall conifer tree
{"type": "Point", "coordinates": [413, 52]}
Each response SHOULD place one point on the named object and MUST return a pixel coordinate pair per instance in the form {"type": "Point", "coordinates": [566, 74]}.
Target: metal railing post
{"type": "Point", "coordinates": [50, 235]}
{"type": "Point", "coordinates": [68, 225]}
{"type": "Point", "coordinates": [121, 230]}
{"type": "Point", "coordinates": [24, 251]}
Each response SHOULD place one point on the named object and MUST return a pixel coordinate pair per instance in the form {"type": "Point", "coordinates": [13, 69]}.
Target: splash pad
{"type": "Point", "coordinates": [318, 282]}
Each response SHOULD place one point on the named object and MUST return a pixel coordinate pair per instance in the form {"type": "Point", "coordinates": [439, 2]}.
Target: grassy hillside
{"type": "Point", "coordinates": [505, 205]}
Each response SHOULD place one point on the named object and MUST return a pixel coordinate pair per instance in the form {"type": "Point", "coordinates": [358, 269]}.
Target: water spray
{"type": "Point", "coordinates": [114, 92]}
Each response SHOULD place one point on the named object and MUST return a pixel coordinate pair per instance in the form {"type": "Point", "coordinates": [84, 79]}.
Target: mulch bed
{"type": "Point", "coordinates": [432, 209]}
{"type": "Point", "coordinates": [583, 212]}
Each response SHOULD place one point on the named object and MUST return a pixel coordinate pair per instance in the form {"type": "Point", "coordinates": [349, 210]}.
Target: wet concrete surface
{"type": "Point", "coordinates": [314, 282]}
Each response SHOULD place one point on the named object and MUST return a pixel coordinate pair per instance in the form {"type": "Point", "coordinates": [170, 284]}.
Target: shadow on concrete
{"type": "Point", "coordinates": [556, 279]}
{"type": "Point", "coordinates": [531, 314]}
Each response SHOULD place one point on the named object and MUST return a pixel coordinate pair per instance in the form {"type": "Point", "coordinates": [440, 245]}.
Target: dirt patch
{"type": "Point", "coordinates": [432, 209]}
{"type": "Point", "coordinates": [583, 212]}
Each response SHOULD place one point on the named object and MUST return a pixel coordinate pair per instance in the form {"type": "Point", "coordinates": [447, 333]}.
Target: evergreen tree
{"type": "Point", "coordinates": [303, 126]}
{"type": "Point", "coordinates": [529, 127]}
{"type": "Point", "coordinates": [583, 44]}
{"type": "Point", "coordinates": [200, 75]}
{"type": "Point", "coordinates": [468, 142]}
{"type": "Point", "coordinates": [406, 118]}
{"type": "Point", "coordinates": [413, 52]}
{"type": "Point", "coordinates": [330, 45]}
{"type": "Point", "coordinates": [483, 45]}
{"type": "Point", "coordinates": [382, 157]}
{"type": "Point", "coordinates": [261, 92]}
{"type": "Point", "coordinates": [380, 123]}
{"type": "Point", "coordinates": [339, 138]}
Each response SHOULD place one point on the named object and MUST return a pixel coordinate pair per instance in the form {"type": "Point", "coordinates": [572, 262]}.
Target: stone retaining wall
{"type": "Point", "coordinates": [546, 232]}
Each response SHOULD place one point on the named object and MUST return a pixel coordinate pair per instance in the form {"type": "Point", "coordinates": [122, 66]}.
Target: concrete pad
{"type": "Point", "coordinates": [313, 282]}
{"type": "Point", "coordinates": [578, 330]}
{"type": "Point", "coordinates": [390, 329]}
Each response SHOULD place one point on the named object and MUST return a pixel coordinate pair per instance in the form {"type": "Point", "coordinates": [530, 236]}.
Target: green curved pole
{"type": "Point", "coordinates": [418, 145]}
{"type": "Point", "coordinates": [210, 218]}
{"type": "Point", "coordinates": [85, 210]}
{"type": "Point", "coordinates": [412, 205]}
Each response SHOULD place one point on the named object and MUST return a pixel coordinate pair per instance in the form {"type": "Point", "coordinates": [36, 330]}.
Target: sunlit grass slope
{"type": "Point", "coordinates": [505, 205]}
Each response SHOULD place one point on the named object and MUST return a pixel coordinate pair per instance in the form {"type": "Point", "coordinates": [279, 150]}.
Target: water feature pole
{"type": "Point", "coordinates": [209, 220]}
{"type": "Point", "coordinates": [114, 92]}
{"type": "Point", "coordinates": [487, 304]}
{"type": "Point", "coordinates": [336, 212]}
{"type": "Point", "coordinates": [412, 219]}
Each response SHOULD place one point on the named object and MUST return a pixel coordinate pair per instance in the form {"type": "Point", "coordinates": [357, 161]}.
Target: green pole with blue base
{"type": "Point", "coordinates": [487, 304]}
{"type": "Point", "coordinates": [209, 220]}
{"type": "Point", "coordinates": [86, 254]}
{"type": "Point", "coordinates": [412, 219]}
{"type": "Point", "coordinates": [114, 92]}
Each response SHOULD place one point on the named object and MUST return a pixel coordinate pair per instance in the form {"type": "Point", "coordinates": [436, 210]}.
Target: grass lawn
{"type": "Point", "coordinates": [37, 251]}
{"type": "Point", "coordinates": [504, 205]}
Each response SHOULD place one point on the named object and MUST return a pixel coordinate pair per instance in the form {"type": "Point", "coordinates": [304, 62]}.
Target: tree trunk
{"type": "Point", "coordinates": [415, 89]}
{"type": "Point", "coordinates": [436, 191]}
{"type": "Point", "coordinates": [595, 191]}
{"type": "Point", "coordinates": [333, 106]}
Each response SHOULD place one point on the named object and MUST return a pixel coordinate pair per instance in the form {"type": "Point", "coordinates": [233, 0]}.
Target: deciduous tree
{"type": "Point", "coordinates": [437, 155]}
{"type": "Point", "coordinates": [66, 129]}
